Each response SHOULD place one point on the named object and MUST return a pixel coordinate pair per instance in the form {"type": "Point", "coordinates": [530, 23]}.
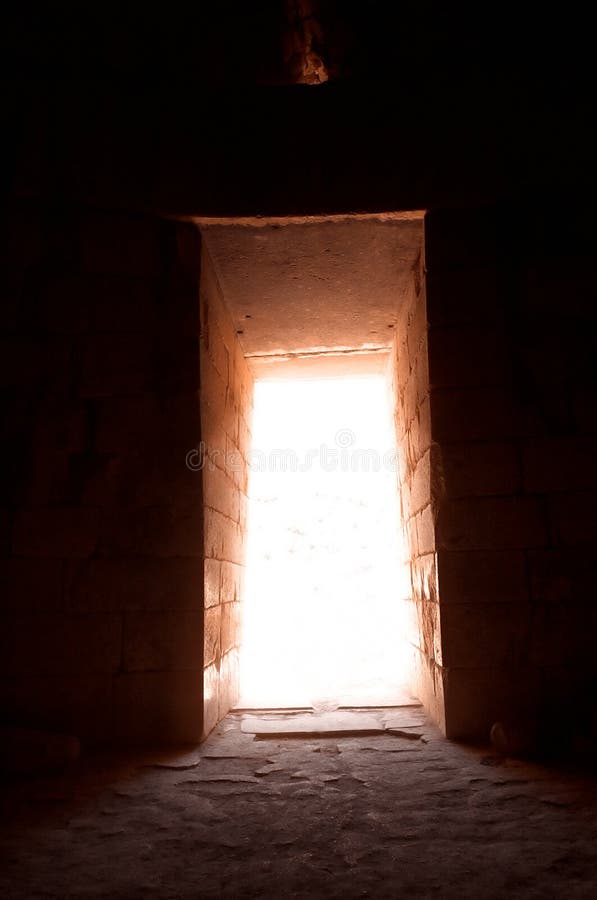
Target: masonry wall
{"type": "Point", "coordinates": [409, 375]}
{"type": "Point", "coordinates": [101, 522]}
{"type": "Point", "coordinates": [226, 405]}
{"type": "Point", "coordinates": [511, 312]}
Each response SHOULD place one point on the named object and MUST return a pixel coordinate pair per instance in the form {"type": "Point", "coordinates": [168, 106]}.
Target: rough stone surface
{"type": "Point", "coordinates": [376, 816]}
{"type": "Point", "coordinates": [226, 405]}
{"type": "Point", "coordinates": [102, 550]}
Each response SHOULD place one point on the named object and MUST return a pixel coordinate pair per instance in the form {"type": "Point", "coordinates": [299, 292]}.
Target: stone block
{"type": "Point", "coordinates": [482, 576]}
{"type": "Point", "coordinates": [116, 364]}
{"type": "Point", "coordinates": [468, 357]}
{"type": "Point", "coordinates": [188, 247]}
{"type": "Point", "coordinates": [410, 397]}
{"type": "Point", "coordinates": [416, 328]}
{"type": "Point", "coordinates": [57, 644]}
{"type": "Point", "coordinates": [157, 641]}
{"type": "Point", "coordinates": [63, 425]}
{"type": "Point", "coordinates": [461, 238]}
{"type": "Point", "coordinates": [420, 486]}
{"type": "Point", "coordinates": [403, 360]}
{"type": "Point", "coordinates": [135, 423]}
{"type": "Point", "coordinates": [159, 476]}
{"type": "Point", "coordinates": [231, 584]}
{"type": "Point", "coordinates": [179, 305]}
{"type": "Point", "coordinates": [563, 634]}
{"type": "Point", "coordinates": [212, 577]}
{"type": "Point", "coordinates": [428, 638]}
{"type": "Point", "coordinates": [473, 414]}
{"type": "Point", "coordinates": [151, 531]}
{"type": "Point", "coordinates": [6, 528]}
{"type": "Point", "coordinates": [491, 523]}
{"type": "Point", "coordinates": [26, 588]}
{"type": "Point", "coordinates": [96, 479]}
{"type": "Point", "coordinates": [214, 346]}
{"type": "Point", "coordinates": [62, 531]}
{"type": "Point", "coordinates": [213, 388]}
{"type": "Point", "coordinates": [427, 684]}
{"type": "Point", "coordinates": [560, 464]}
{"type": "Point", "coordinates": [23, 362]}
{"type": "Point", "coordinates": [469, 296]}
{"type": "Point", "coordinates": [423, 577]}
{"type": "Point", "coordinates": [176, 364]}
{"type": "Point", "coordinates": [211, 684]}
{"type": "Point", "coordinates": [134, 584]}
{"type": "Point", "coordinates": [230, 627]}
{"type": "Point", "coordinates": [572, 519]}
{"type": "Point", "coordinates": [426, 538]}
{"type": "Point", "coordinates": [228, 688]}
{"type": "Point", "coordinates": [25, 243]}
{"type": "Point", "coordinates": [223, 538]}
{"type": "Point", "coordinates": [63, 304]}
{"type": "Point", "coordinates": [119, 244]}
{"type": "Point", "coordinates": [475, 698]}
{"type": "Point", "coordinates": [214, 437]}
{"type": "Point", "coordinates": [485, 634]}
{"type": "Point", "coordinates": [46, 480]}
{"type": "Point", "coordinates": [220, 493]}
{"type": "Point", "coordinates": [120, 303]}
{"type": "Point", "coordinates": [478, 469]}
{"type": "Point", "coordinates": [564, 574]}
{"type": "Point", "coordinates": [80, 706]}
{"type": "Point", "coordinates": [154, 708]}
{"type": "Point", "coordinates": [211, 635]}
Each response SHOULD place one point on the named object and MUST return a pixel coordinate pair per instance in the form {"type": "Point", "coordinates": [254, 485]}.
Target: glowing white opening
{"type": "Point", "coordinates": [322, 613]}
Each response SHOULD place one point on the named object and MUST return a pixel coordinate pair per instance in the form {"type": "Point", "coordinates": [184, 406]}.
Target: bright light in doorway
{"type": "Point", "coordinates": [323, 589]}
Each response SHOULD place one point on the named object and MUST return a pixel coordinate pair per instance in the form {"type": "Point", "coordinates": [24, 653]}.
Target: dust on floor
{"type": "Point", "coordinates": [396, 815]}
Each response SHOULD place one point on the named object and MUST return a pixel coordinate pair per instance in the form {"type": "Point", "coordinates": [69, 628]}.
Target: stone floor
{"type": "Point", "coordinates": [382, 815]}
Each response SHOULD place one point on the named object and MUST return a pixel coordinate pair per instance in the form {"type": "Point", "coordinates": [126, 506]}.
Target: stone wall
{"type": "Point", "coordinates": [409, 375]}
{"type": "Point", "coordinates": [227, 399]}
{"type": "Point", "coordinates": [510, 304]}
{"type": "Point", "coordinates": [101, 522]}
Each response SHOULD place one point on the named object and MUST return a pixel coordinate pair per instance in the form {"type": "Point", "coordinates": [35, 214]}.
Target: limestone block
{"type": "Point", "coordinates": [228, 688]}
{"type": "Point", "coordinates": [27, 588]}
{"type": "Point", "coordinates": [487, 523]}
{"type": "Point", "coordinates": [560, 464]}
{"type": "Point", "coordinates": [211, 639]}
{"type": "Point", "coordinates": [136, 423]}
{"type": "Point", "coordinates": [120, 303]}
{"type": "Point", "coordinates": [231, 583]}
{"type": "Point", "coordinates": [485, 634]}
{"type": "Point", "coordinates": [572, 518]}
{"type": "Point", "coordinates": [473, 414]}
{"type": "Point", "coordinates": [468, 357]}
{"type": "Point", "coordinates": [134, 583]}
{"type": "Point", "coordinates": [472, 469]}
{"type": "Point", "coordinates": [212, 569]}
{"type": "Point", "coordinates": [80, 705]}
{"type": "Point", "coordinates": [57, 644]}
{"type": "Point", "coordinates": [230, 626]}
{"type": "Point", "coordinates": [155, 641]}
{"type": "Point", "coordinates": [151, 531]}
{"type": "Point", "coordinates": [116, 364]}
{"type": "Point", "coordinates": [158, 707]}
{"type": "Point", "coordinates": [60, 531]}
{"type": "Point", "coordinates": [220, 493]}
{"type": "Point", "coordinates": [469, 296]}
{"type": "Point", "coordinates": [461, 237]}
{"type": "Point", "coordinates": [482, 576]}
{"type": "Point", "coordinates": [118, 244]}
